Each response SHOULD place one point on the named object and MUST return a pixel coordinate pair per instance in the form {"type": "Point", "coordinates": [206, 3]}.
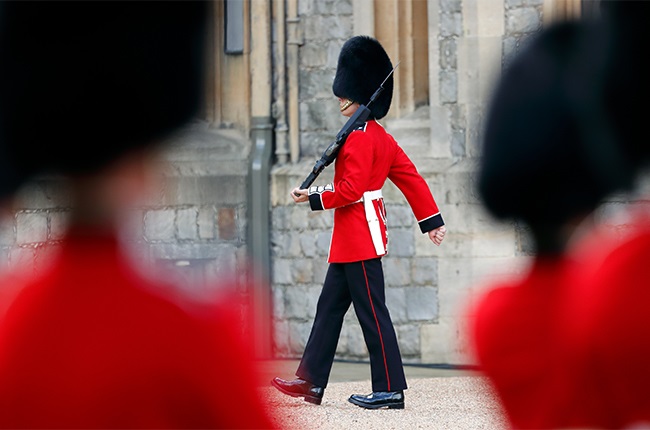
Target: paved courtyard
{"type": "Point", "coordinates": [436, 399]}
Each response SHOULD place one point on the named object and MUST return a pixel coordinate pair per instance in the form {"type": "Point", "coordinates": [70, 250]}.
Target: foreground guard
{"type": "Point", "coordinates": [355, 275]}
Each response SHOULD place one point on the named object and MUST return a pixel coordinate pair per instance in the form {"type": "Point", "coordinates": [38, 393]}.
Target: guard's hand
{"type": "Point", "coordinates": [437, 235]}
{"type": "Point", "coordinates": [300, 195]}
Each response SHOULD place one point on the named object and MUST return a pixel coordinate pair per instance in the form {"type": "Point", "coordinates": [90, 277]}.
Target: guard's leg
{"type": "Point", "coordinates": [333, 303]}
{"type": "Point", "coordinates": [366, 280]}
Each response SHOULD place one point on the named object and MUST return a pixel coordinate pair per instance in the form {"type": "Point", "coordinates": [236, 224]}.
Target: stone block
{"type": "Point", "coordinates": [451, 24]}
{"type": "Point", "coordinates": [483, 18]}
{"type": "Point", "coordinates": [281, 271]}
{"type": "Point", "coordinates": [302, 271]}
{"type": "Point", "coordinates": [401, 242]}
{"type": "Point", "coordinates": [7, 233]}
{"type": "Point", "coordinates": [226, 223]}
{"type": "Point", "coordinates": [319, 267]}
{"type": "Point", "coordinates": [522, 20]}
{"type": "Point", "coordinates": [159, 225]}
{"type": "Point", "coordinates": [397, 271]}
{"type": "Point", "coordinates": [187, 224]}
{"type": "Point", "coordinates": [396, 303]}
{"type": "Point", "coordinates": [281, 338]}
{"type": "Point", "coordinates": [308, 244]}
{"type": "Point", "coordinates": [421, 303]}
{"type": "Point", "coordinates": [479, 63]}
{"type": "Point", "coordinates": [277, 302]}
{"type": "Point", "coordinates": [313, 55]}
{"type": "Point", "coordinates": [22, 259]}
{"type": "Point", "coordinates": [199, 190]}
{"type": "Point", "coordinates": [317, 83]}
{"type": "Point", "coordinates": [424, 271]}
{"type": "Point", "coordinates": [448, 86]}
{"type": "Point", "coordinates": [448, 53]}
{"type": "Point", "coordinates": [31, 227]}
{"type": "Point", "coordinates": [440, 132]}
{"type": "Point", "coordinates": [206, 222]}
{"type": "Point", "coordinates": [482, 244]}
{"type": "Point", "coordinates": [408, 337]}
{"type": "Point", "coordinates": [58, 224]}
{"type": "Point", "coordinates": [355, 341]}
{"type": "Point", "coordinates": [458, 143]}
{"type": "Point", "coordinates": [399, 216]}
{"type": "Point", "coordinates": [323, 243]}
{"type": "Point", "coordinates": [451, 5]}
{"type": "Point", "coordinates": [300, 302]}
{"type": "Point", "coordinates": [440, 343]}
{"type": "Point", "coordinates": [298, 336]}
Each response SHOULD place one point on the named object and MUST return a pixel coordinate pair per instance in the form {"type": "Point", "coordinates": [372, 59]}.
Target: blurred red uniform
{"type": "Point", "coordinates": [614, 329]}
{"type": "Point", "coordinates": [93, 344]}
{"type": "Point", "coordinates": [517, 337]}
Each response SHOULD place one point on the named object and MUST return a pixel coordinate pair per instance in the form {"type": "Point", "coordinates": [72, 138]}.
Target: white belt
{"type": "Point", "coordinates": [373, 220]}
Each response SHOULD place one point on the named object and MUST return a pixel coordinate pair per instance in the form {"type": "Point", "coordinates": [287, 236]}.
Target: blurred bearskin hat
{"type": "Point", "coordinates": [362, 66]}
{"type": "Point", "coordinates": [82, 82]}
{"type": "Point", "coordinates": [565, 121]}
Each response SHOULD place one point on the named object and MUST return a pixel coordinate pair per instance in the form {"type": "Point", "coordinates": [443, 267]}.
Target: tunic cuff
{"type": "Point", "coordinates": [431, 223]}
{"type": "Point", "coordinates": [316, 202]}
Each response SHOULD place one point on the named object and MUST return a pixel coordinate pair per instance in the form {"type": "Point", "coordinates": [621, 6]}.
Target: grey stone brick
{"type": "Point", "coordinates": [159, 224]}
{"type": "Point", "coordinates": [7, 233]}
{"type": "Point", "coordinates": [451, 5]}
{"type": "Point", "coordinates": [397, 271]}
{"type": "Point", "coordinates": [298, 335]}
{"type": "Point", "coordinates": [22, 258]}
{"type": "Point", "coordinates": [401, 242]}
{"type": "Point", "coordinates": [281, 337]}
{"type": "Point", "coordinates": [458, 143]}
{"type": "Point", "coordinates": [187, 223]}
{"type": "Point", "coordinates": [58, 224]}
{"type": "Point", "coordinates": [396, 303]}
{"type": "Point", "coordinates": [302, 271]}
{"type": "Point", "coordinates": [308, 244]}
{"type": "Point", "coordinates": [448, 86]}
{"type": "Point", "coordinates": [399, 216]}
{"type": "Point", "coordinates": [451, 24]}
{"type": "Point", "coordinates": [448, 53]}
{"type": "Point", "coordinates": [323, 243]}
{"type": "Point", "coordinates": [523, 20]}
{"type": "Point", "coordinates": [277, 298]}
{"type": "Point", "coordinates": [31, 227]}
{"type": "Point", "coordinates": [424, 271]}
{"type": "Point", "coordinates": [422, 303]}
{"type": "Point", "coordinates": [408, 337]}
{"type": "Point", "coordinates": [282, 271]}
{"type": "Point", "coordinates": [206, 222]}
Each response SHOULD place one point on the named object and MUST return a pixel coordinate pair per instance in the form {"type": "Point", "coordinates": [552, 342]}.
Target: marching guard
{"type": "Point", "coordinates": [359, 239]}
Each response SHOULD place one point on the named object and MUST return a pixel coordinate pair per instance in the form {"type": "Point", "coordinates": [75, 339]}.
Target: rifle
{"type": "Point", "coordinates": [356, 120]}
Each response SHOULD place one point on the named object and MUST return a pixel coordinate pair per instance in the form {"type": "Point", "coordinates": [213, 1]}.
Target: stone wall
{"type": "Point", "coordinates": [194, 225]}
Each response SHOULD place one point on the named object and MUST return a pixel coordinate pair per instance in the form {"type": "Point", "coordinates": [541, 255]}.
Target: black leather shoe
{"type": "Point", "coordinates": [300, 388]}
{"type": "Point", "coordinates": [380, 399]}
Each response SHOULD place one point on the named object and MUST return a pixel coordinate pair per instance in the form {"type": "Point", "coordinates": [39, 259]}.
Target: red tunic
{"type": "Point", "coordinates": [517, 334]}
{"type": "Point", "coordinates": [369, 157]}
{"type": "Point", "coordinates": [91, 343]}
{"type": "Point", "coordinates": [616, 329]}
{"type": "Point", "coordinates": [567, 345]}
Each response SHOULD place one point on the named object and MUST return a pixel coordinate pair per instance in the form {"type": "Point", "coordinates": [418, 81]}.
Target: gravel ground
{"type": "Point", "coordinates": [463, 402]}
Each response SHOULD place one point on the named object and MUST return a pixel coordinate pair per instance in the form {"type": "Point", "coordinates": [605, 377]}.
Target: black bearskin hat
{"type": "Point", "coordinates": [81, 83]}
{"type": "Point", "coordinates": [552, 149]}
{"type": "Point", "coordinates": [362, 66]}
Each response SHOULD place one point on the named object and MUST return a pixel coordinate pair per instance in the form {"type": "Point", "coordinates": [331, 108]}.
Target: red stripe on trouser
{"type": "Point", "coordinates": [381, 339]}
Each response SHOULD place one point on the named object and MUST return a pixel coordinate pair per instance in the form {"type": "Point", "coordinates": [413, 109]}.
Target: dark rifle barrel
{"type": "Point", "coordinates": [357, 120]}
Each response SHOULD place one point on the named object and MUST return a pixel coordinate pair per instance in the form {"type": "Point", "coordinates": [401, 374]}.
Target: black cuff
{"type": "Point", "coordinates": [432, 223]}
{"type": "Point", "coordinates": [315, 202]}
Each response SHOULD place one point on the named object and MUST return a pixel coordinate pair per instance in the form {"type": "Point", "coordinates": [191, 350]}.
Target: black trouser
{"type": "Point", "coordinates": [360, 283]}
